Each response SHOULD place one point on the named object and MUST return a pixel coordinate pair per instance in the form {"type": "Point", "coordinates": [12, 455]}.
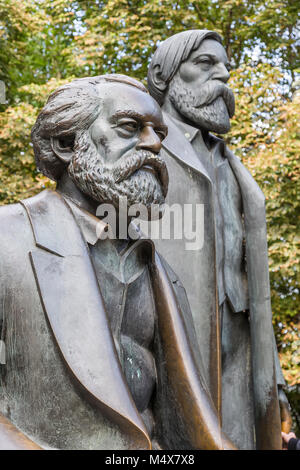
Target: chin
{"type": "Point", "coordinates": [217, 126]}
{"type": "Point", "coordinates": [212, 118]}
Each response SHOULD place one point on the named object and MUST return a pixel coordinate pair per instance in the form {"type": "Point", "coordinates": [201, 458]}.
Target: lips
{"type": "Point", "coordinates": [151, 169]}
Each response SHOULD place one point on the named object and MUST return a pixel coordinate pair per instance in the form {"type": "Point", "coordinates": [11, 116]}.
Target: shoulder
{"type": "Point", "coordinates": [15, 224]}
{"type": "Point", "coordinates": [16, 239]}
{"type": "Point", "coordinates": [14, 214]}
{"type": "Point", "coordinates": [12, 218]}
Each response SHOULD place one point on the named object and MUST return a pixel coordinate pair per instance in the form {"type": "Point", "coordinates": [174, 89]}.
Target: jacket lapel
{"type": "Point", "coordinates": [181, 148]}
{"type": "Point", "coordinates": [74, 306]}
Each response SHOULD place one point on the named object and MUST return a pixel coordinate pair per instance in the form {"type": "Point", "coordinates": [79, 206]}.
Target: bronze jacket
{"type": "Point", "coordinates": [190, 183]}
{"type": "Point", "coordinates": [62, 384]}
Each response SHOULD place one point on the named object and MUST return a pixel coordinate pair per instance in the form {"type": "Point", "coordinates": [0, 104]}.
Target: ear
{"type": "Point", "coordinates": [159, 83]}
{"type": "Point", "coordinates": [63, 148]}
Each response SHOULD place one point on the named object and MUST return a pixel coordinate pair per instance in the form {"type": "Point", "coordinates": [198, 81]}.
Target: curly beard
{"type": "Point", "coordinates": [209, 110]}
{"type": "Point", "coordinates": [107, 183]}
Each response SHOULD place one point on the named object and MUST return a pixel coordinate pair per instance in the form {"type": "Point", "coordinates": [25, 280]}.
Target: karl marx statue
{"type": "Point", "coordinates": [101, 351]}
{"type": "Point", "coordinates": [227, 280]}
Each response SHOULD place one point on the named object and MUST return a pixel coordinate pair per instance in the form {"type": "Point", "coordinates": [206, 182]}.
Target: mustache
{"type": "Point", "coordinates": [128, 165]}
{"type": "Point", "coordinates": [211, 90]}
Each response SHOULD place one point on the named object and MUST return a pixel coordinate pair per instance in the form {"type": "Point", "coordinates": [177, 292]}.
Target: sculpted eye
{"type": "Point", "coordinates": [126, 127]}
{"type": "Point", "coordinates": [130, 126]}
{"type": "Point", "coordinates": [205, 63]}
{"type": "Point", "coordinates": [161, 134]}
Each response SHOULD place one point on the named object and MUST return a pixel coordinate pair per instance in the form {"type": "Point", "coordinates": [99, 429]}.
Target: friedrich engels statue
{"type": "Point", "coordinates": [227, 280]}
{"type": "Point", "coordinates": [101, 351]}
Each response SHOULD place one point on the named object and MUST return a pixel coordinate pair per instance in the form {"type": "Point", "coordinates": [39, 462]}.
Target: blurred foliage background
{"type": "Point", "coordinates": [45, 43]}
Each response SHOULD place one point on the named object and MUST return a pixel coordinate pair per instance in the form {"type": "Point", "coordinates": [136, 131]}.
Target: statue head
{"type": "Point", "coordinates": [105, 134]}
{"type": "Point", "coordinates": [188, 75]}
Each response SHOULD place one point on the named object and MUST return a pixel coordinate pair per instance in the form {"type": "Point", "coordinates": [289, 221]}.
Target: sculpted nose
{"type": "Point", "coordinates": [149, 140]}
{"type": "Point", "coordinates": [221, 73]}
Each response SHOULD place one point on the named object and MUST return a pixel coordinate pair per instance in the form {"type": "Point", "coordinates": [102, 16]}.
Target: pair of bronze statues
{"type": "Point", "coordinates": [105, 346]}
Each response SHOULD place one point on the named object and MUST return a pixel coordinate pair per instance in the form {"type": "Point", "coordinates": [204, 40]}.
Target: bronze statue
{"type": "Point", "coordinates": [101, 351]}
{"type": "Point", "coordinates": [227, 281]}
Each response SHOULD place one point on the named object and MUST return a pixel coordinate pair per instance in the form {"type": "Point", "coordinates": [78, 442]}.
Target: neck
{"type": "Point", "coordinates": [168, 107]}
{"type": "Point", "coordinates": [68, 188]}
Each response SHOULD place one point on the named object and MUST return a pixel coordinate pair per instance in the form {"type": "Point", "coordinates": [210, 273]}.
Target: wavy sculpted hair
{"type": "Point", "coordinates": [169, 56]}
{"type": "Point", "coordinates": [69, 109]}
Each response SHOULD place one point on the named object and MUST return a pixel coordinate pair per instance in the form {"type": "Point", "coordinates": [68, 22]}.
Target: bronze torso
{"type": "Point", "coordinates": [227, 188]}
{"type": "Point", "coordinates": [64, 386]}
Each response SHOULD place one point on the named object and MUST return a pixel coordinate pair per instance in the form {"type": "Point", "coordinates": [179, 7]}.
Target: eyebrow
{"type": "Point", "coordinates": [207, 54]}
{"type": "Point", "coordinates": [128, 113]}
{"type": "Point", "coordinates": [212, 56]}
{"type": "Point", "coordinates": [134, 115]}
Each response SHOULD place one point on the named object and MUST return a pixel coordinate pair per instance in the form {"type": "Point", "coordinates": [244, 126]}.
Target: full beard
{"type": "Point", "coordinates": [107, 183]}
{"type": "Point", "coordinates": [210, 110]}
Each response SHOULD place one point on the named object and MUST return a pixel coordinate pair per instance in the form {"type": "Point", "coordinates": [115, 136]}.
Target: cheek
{"type": "Point", "coordinates": [111, 146]}
{"type": "Point", "coordinates": [102, 143]}
{"type": "Point", "coordinates": [192, 75]}
{"type": "Point", "coordinates": [118, 147]}
{"type": "Point", "coordinates": [99, 133]}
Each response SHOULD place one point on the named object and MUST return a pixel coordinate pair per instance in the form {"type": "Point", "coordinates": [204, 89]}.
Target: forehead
{"type": "Point", "coordinates": [210, 46]}
{"type": "Point", "coordinates": [123, 98]}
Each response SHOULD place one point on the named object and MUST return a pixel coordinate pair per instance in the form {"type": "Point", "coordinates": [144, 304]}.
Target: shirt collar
{"type": "Point", "coordinates": [91, 227]}
{"type": "Point", "coordinates": [189, 131]}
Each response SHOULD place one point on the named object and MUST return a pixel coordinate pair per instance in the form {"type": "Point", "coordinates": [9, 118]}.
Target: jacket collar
{"type": "Point", "coordinates": [90, 226]}
{"type": "Point", "coordinates": [188, 131]}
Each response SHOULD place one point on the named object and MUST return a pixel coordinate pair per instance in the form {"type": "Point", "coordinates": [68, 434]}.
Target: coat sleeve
{"type": "Point", "coordinates": [10, 437]}
{"type": "Point", "coordinates": [279, 374]}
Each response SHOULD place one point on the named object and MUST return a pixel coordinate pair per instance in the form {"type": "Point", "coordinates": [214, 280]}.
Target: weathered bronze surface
{"type": "Point", "coordinates": [227, 280]}
{"type": "Point", "coordinates": [101, 351]}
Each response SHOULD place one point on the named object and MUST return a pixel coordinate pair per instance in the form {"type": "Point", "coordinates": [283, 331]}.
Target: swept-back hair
{"type": "Point", "coordinates": [71, 108]}
{"type": "Point", "coordinates": [169, 56]}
